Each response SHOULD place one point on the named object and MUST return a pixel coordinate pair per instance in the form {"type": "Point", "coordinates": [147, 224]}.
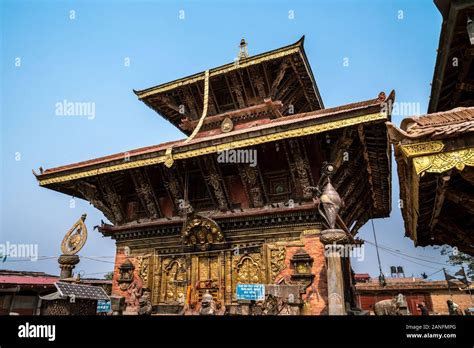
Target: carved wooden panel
{"type": "Point", "coordinates": [174, 280]}
{"type": "Point", "coordinates": [247, 269]}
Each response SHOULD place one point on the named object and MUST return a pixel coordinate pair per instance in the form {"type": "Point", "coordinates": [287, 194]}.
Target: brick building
{"type": "Point", "coordinates": [21, 292]}
{"type": "Point", "coordinates": [434, 293]}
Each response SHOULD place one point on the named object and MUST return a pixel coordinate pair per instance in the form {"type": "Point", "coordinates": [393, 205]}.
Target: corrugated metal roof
{"type": "Point", "coordinates": [27, 280]}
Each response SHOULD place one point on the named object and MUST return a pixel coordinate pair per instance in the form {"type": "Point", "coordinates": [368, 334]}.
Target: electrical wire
{"type": "Point", "coordinates": [377, 248]}
{"type": "Point", "coordinates": [410, 256]}
{"type": "Point", "coordinates": [401, 257]}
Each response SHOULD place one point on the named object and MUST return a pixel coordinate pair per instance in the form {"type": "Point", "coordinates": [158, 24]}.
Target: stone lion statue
{"type": "Point", "coordinates": [208, 305]}
{"type": "Point", "coordinates": [145, 307]}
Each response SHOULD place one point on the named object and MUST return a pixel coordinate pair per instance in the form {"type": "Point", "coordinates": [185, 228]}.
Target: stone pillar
{"type": "Point", "coordinates": [333, 239]}
{"type": "Point", "coordinates": [67, 264]}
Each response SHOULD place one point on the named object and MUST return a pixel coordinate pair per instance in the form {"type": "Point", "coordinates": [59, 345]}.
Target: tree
{"type": "Point", "coordinates": [424, 275]}
{"type": "Point", "coordinates": [109, 276]}
{"type": "Point", "coordinates": [457, 258]}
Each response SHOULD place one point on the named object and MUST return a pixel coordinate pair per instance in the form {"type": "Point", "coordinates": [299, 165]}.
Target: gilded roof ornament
{"type": "Point", "coordinates": [243, 52]}
{"type": "Point", "coordinates": [75, 238]}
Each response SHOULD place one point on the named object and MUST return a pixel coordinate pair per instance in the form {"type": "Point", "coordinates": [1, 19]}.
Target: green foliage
{"type": "Point", "coordinates": [109, 275]}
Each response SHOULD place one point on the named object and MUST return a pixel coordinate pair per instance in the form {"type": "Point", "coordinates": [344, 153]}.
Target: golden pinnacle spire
{"type": "Point", "coordinates": [243, 53]}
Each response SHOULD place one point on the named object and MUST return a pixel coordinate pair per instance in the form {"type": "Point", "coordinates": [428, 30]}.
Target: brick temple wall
{"type": "Point", "coordinates": [317, 293]}
{"type": "Point", "coordinates": [439, 298]}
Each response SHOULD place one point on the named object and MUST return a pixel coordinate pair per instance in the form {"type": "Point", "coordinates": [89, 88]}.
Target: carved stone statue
{"type": "Point", "coordinates": [145, 303]}
{"type": "Point", "coordinates": [135, 292]}
{"type": "Point", "coordinates": [394, 306]}
{"type": "Point", "coordinates": [208, 305]}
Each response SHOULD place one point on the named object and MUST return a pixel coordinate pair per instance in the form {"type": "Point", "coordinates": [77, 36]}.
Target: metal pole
{"type": "Point", "coordinates": [468, 283]}
{"type": "Point", "coordinates": [447, 281]}
{"type": "Point", "coordinates": [377, 249]}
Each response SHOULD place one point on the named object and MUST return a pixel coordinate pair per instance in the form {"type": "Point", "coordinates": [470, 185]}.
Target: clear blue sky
{"type": "Point", "coordinates": [82, 60]}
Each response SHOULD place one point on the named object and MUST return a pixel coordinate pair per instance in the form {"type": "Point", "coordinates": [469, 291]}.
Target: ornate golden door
{"type": "Point", "coordinates": [208, 275]}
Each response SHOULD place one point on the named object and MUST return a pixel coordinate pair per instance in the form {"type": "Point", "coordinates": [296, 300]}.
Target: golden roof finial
{"type": "Point", "coordinates": [243, 53]}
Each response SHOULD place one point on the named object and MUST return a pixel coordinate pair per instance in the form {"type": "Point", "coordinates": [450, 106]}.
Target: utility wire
{"type": "Point", "coordinates": [410, 256]}
{"type": "Point", "coordinates": [378, 256]}
{"type": "Point", "coordinates": [401, 257]}
{"type": "Point", "coordinates": [103, 261]}
{"type": "Point", "coordinates": [432, 274]}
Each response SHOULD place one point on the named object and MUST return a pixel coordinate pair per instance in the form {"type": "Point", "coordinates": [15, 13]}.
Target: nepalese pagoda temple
{"type": "Point", "coordinates": [191, 218]}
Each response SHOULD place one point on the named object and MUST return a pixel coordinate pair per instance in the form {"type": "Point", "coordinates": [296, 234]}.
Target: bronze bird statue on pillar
{"type": "Point", "coordinates": [331, 202]}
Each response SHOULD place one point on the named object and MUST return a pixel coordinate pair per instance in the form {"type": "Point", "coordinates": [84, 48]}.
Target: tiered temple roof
{"type": "Point", "coordinates": [283, 74]}
{"type": "Point", "coordinates": [144, 187]}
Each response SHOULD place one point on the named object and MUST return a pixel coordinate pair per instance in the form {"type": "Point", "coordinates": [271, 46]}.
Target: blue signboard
{"type": "Point", "coordinates": [104, 306]}
{"type": "Point", "coordinates": [254, 292]}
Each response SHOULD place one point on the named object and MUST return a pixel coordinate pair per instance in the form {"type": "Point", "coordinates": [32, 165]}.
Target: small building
{"type": "Point", "coordinates": [73, 299]}
{"type": "Point", "coordinates": [20, 291]}
{"type": "Point", "coordinates": [23, 292]}
{"type": "Point", "coordinates": [433, 293]}
{"type": "Point", "coordinates": [361, 277]}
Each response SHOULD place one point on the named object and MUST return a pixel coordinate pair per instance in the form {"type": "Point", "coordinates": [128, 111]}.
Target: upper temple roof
{"type": "Point", "coordinates": [283, 75]}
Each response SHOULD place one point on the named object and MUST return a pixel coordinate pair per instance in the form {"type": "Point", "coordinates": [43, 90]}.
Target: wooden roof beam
{"type": "Point", "coordinates": [461, 198]}
{"type": "Point", "coordinates": [299, 80]}
{"type": "Point", "coordinates": [111, 197]}
{"type": "Point", "coordinates": [172, 185]}
{"type": "Point", "coordinates": [209, 180]}
{"type": "Point", "coordinates": [214, 180]}
{"type": "Point", "coordinates": [230, 92]}
{"type": "Point", "coordinates": [145, 193]}
{"type": "Point", "coordinates": [251, 83]}
{"type": "Point", "coordinates": [365, 152]}
{"type": "Point", "coordinates": [465, 68]}
{"type": "Point", "coordinates": [442, 184]}
{"type": "Point", "coordinates": [342, 145]}
{"type": "Point", "coordinates": [279, 77]}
